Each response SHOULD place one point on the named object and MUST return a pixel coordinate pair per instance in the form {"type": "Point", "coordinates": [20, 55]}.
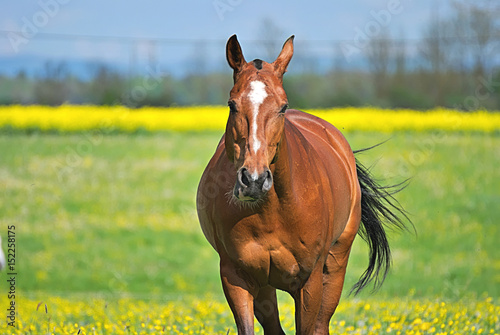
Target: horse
{"type": "Point", "coordinates": [282, 200]}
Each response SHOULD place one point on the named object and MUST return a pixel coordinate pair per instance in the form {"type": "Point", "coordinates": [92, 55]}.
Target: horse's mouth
{"type": "Point", "coordinates": [241, 194]}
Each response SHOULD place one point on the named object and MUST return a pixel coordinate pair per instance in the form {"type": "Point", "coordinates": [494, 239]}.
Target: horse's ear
{"type": "Point", "coordinates": [234, 54]}
{"type": "Point", "coordinates": [281, 63]}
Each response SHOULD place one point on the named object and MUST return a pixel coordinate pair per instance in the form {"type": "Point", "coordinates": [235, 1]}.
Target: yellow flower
{"type": "Point", "coordinates": [100, 120]}
{"type": "Point", "coordinates": [97, 315]}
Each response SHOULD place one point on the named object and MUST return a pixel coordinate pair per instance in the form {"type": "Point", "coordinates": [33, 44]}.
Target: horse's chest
{"type": "Point", "coordinates": [277, 248]}
{"type": "Point", "coordinates": [269, 261]}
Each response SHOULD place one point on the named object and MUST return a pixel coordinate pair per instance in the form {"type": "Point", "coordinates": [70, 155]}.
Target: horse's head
{"type": "Point", "coordinates": [256, 121]}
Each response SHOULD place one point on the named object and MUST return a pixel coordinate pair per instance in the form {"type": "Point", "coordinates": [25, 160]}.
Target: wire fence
{"type": "Point", "coordinates": [196, 56]}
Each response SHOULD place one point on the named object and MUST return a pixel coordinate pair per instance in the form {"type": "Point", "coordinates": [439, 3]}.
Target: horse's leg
{"type": "Point", "coordinates": [266, 310]}
{"type": "Point", "coordinates": [334, 274]}
{"type": "Point", "coordinates": [308, 302]}
{"type": "Point", "coordinates": [239, 294]}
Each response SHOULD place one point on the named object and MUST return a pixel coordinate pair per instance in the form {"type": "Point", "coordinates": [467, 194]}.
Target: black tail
{"type": "Point", "coordinates": [378, 208]}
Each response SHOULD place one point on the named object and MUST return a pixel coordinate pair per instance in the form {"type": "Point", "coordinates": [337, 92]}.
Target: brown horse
{"type": "Point", "coordinates": [281, 202]}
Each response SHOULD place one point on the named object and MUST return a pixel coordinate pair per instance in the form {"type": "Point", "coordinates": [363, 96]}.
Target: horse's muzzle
{"type": "Point", "coordinates": [252, 187]}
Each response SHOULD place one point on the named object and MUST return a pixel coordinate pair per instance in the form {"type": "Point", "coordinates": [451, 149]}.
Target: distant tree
{"type": "Point", "coordinates": [400, 56]}
{"type": "Point", "coordinates": [271, 37]}
{"type": "Point", "coordinates": [435, 52]}
{"type": "Point", "coordinates": [21, 75]}
{"type": "Point", "coordinates": [22, 89]}
{"type": "Point", "coordinates": [378, 54]}
{"type": "Point", "coordinates": [433, 46]}
{"type": "Point", "coordinates": [107, 86]}
{"type": "Point", "coordinates": [477, 25]}
{"type": "Point", "coordinates": [402, 92]}
{"type": "Point", "coordinates": [50, 87]}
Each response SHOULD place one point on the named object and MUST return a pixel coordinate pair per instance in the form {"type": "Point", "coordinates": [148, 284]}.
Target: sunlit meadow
{"type": "Point", "coordinates": [108, 240]}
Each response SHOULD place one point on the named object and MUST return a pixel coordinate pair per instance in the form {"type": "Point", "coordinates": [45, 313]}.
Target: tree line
{"type": "Point", "coordinates": [454, 64]}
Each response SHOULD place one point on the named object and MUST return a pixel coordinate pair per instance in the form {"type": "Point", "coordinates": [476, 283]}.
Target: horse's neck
{"type": "Point", "coordinates": [283, 183]}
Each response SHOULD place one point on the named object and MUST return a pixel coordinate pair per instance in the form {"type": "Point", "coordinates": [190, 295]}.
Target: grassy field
{"type": "Point", "coordinates": [106, 226]}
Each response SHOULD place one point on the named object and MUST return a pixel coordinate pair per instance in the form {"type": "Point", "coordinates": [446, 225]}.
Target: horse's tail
{"type": "Point", "coordinates": [379, 208]}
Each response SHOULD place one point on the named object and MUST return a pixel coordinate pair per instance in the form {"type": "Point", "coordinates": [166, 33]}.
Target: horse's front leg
{"type": "Point", "coordinates": [308, 302]}
{"type": "Point", "coordinates": [240, 293]}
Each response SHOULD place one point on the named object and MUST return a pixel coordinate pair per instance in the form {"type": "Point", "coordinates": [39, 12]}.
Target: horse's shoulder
{"type": "Point", "coordinates": [313, 128]}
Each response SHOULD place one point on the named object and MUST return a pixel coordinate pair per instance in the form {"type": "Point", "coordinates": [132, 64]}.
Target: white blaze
{"type": "Point", "coordinates": [257, 96]}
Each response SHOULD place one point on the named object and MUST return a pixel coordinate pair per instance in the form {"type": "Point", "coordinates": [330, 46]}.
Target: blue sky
{"type": "Point", "coordinates": [315, 22]}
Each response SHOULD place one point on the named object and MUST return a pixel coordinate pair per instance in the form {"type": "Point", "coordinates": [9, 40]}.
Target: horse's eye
{"type": "Point", "coordinates": [232, 107]}
{"type": "Point", "coordinates": [283, 109]}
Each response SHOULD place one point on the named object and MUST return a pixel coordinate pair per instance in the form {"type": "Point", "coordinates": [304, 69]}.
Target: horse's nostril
{"type": "Point", "coordinates": [268, 181]}
{"type": "Point", "coordinates": [243, 177]}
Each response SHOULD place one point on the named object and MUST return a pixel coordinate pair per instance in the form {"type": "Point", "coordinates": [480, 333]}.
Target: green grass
{"type": "Point", "coordinates": [115, 216]}
{"type": "Point", "coordinates": [119, 218]}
